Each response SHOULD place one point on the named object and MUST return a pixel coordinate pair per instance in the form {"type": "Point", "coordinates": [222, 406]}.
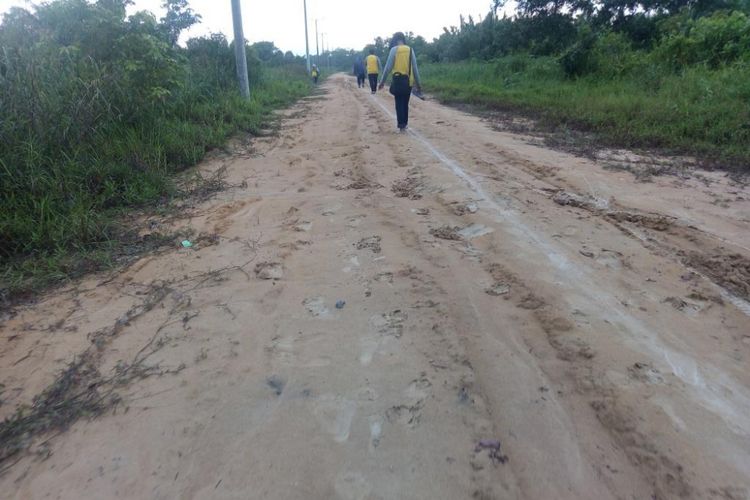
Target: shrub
{"type": "Point", "coordinates": [614, 55]}
{"type": "Point", "coordinates": [212, 64]}
{"type": "Point", "coordinates": [580, 58]}
{"type": "Point", "coordinates": [714, 40]}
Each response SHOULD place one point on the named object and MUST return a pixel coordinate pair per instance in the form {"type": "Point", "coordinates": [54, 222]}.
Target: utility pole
{"type": "Point", "coordinates": [239, 49]}
{"type": "Point", "coordinates": [328, 52]}
{"type": "Point", "coordinates": [322, 47]}
{"type": "Point", "coordinates": [307, 39]}
{"type": "Point", "coordinates": [317, 47]}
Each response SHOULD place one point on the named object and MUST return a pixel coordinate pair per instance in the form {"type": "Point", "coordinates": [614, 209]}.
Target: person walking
{"type": "Point", "coordinates": [402, 68]}
{"type": "Point", "coordinates": [373, 69]}
{"type": "Point", "coordinates": [315, 73]}
{"type": "Point", "coordinates": [359, 72]}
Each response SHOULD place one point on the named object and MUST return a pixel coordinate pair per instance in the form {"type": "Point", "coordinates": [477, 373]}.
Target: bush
{"type": "Point", "coordinates": [720, 38]}
{"type": "Point", "coordinates": [212, 63]}
{"type": "Point", "coordinates": [614, 55]}
{"type": "Point", "coordinates": [580, 58]}
{"type": "Point", "coordinates": [607, 54]}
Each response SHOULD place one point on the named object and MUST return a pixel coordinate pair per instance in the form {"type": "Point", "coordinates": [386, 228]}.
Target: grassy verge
{"type": "Point", "coordinates": [62, 213]}
{"type": "Point", "coordinates": [697, 111]}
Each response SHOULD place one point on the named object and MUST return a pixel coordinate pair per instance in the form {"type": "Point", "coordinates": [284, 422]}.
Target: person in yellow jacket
{"type": "Point", "coordinates": [372, 64]}
{"type": "Point", "coordinates": [315, 73]}
{"type": "Point", "coordinates": [401, 67]}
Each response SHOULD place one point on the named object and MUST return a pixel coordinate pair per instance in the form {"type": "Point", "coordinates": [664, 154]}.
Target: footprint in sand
{"type": "Point", "coordinates": [391, 323]}
{"type": "Point", "coordinates": [610, 259]}
{"type": "Point", "coordinates": [474, 231]}
{"type": "Point", "coordinates": [368, 349]}
{"type": "Point", "coordinates": [352, 486]}
{"type": "Point", "coordinates": [384, 277]}
{"type": "Point", "coordinates": [335, 415]}
{"type": "Point", "coordinates": [316, 306]}
{"type": "Point", "coordinates": [354, 221]}
{"type": "Point", "coordinates": [418, 388]}
{"type": "Point", "coordinates": [296, 351]}
{"type": "Point", "coordinates": [376, 431]}
{"type": "Point", "coordinates": [353, 264]}
{"type": "Point", "coordinates": [269, 270]}
{"type": "Point", "coordinates": [332, 209]}
{"type": "Point", "coordinates": [372, 243]}
{"type": "Point", "coordinates": [303, 227]}
{"type": "Point", "coordinates": [409, 413]}
{"type": "Point", "coordinates": [645, 373]}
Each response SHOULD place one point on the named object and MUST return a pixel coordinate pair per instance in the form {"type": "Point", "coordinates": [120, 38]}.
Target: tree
{"type": "Point", "coordinates": [541, 7]}
{"type": "Point", "coordinates": [268, 52]}
{"type": "Point", "coordinates": [497, 5]}
{"type": "Point", "coordinates": [178, 18]}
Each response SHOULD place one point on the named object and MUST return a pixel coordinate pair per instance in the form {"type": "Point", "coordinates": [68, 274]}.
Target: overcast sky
{"type": "Point", "coordinates": [347, 23]}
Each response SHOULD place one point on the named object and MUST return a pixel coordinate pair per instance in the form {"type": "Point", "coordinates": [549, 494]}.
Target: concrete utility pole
{"type": "Point", "coordinates": [307, 39]}
{"type": "Point", "coordinates": [327, 50]}
{"type": "Point", "coordinates": [239, 49]}
{"type": "Point", "coordinates": [317, 47]}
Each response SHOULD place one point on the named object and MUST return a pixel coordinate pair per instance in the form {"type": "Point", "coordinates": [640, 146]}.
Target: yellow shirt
{"type": "Point", "coordinates": [372, 65]}
{"type": "Point", "coordinates": [401, 63]}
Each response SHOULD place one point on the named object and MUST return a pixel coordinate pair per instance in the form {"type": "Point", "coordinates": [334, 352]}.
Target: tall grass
{"type": "Point", "coordinates": [98, 110]}
{"type": "Point", "coordinates": [65, 178]}
{"type": "Point", "coordinates": [696, 110]}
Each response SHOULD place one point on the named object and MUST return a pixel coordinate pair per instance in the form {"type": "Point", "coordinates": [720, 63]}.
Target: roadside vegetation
{"type": "Point", "coordinates": [666, 74]}
{"type": "Point", "coordinates": [99, 111]}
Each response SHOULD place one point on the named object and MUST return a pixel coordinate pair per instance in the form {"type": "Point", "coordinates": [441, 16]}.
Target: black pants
{"type": "Point", "coordinates": [373, 81]}
{"type": "Point", "coordinates": [402, 109]}
{"type": "Point", "coordinates": [360, 80]}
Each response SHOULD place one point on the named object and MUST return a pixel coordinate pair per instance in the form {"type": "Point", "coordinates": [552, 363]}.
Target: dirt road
{"type": "Point", "coordinates": [495, 290]}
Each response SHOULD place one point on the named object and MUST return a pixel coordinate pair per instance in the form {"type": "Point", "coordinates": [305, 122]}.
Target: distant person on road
{"type": "Point", "coordinates": [373, 69]}
{"type": "Point", "coordinates": [402, 68]}
{"type": "Point", "coordinates": [315, 72]}
{"type": "Point", "coordinates": [359, 72]}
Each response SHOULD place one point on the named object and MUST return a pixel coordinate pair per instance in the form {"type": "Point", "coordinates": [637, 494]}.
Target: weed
{"type": "Point", "coordinates": [80, 390]}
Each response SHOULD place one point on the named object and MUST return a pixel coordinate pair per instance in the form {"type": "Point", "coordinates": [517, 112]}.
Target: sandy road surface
{"type": "Point", "coordinates": [495, 290]}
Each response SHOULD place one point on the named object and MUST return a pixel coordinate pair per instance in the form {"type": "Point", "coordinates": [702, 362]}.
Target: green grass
{"type": "Point", "coordinates": [698, 111]}
{"type": "Point", "coordinates": [61, 209]}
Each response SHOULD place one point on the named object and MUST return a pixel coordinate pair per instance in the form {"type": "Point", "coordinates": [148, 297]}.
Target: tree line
{"type": "Point", "coordinates": [588, 36]}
